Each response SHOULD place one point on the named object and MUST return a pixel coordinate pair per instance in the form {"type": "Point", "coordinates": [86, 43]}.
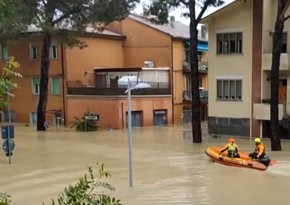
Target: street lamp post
{"type": "Point", "coordinates": [128, 91]}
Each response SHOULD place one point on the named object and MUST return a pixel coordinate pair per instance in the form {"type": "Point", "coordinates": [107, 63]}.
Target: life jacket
{"type": "Point", "coordinates": [260, 149]}
{"type": "Point", "coordinates": [232, 147]}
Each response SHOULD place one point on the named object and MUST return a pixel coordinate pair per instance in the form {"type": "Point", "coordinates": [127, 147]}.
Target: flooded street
{"type": "Point", "coordinates": [167, 168]}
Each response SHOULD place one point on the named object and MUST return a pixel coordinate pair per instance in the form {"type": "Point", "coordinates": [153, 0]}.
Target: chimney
{"type": "Point", "coordinates": [172, 20]}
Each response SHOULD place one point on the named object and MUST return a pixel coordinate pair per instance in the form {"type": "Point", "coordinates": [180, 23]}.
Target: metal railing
{"type": "Point", "coordinates": [188, 96]}
{"type": "Point", "coordinates": [155, 89]}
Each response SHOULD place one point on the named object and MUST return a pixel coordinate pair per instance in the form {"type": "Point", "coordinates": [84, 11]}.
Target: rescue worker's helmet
{"type": "Point", "coordinates": [258, 140]}
{"type": "Point", "coordinates": [231, 140]}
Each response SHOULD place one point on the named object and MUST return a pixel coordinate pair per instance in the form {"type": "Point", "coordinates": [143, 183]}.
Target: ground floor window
{"type": "Point", "coordinates": [228, 121]}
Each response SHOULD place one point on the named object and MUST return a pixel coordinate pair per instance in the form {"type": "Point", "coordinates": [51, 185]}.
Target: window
{"type": "Point", "coordinates": [4, 53]}
{"type": "Point", "coordinates": [229, 43]}
{"type": "Point", "coordinates": [230, 90]}
{"type": "Point", "coordinates": [33, 51]}
{"type": "Point", "coordinates": [35, 85]}
{"type": "Point", "coordinates": [232, 122]}
{"type": "Point", "coordinates": [53, 51]}
{"type": "Point", "coordinates": [236, 122]}
{"type": "Point", "coordinates": [55, 86]}
{"type": "Point", "coordinates": [222, 121]}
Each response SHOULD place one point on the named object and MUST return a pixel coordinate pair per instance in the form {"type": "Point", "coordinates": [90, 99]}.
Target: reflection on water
{"type": "Point", "coordinates": [168, 168]}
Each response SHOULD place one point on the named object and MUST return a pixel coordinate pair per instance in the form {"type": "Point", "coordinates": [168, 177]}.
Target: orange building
{"type": "Point", "coordinates": [95, 77]}
{"type": "Point", "coordinates": [166, 45]}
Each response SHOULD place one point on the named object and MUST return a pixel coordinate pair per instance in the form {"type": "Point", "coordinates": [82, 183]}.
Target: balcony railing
{"type": "Point", "coordinates": [187, 96]}
{"type": "Point", "coordinates": [202, 66]}
{"type": "Point", "coordinates": [284, 61]}
{"type": "Point", "coordinates": [262, 111]}
{"type": "Point", "coordinates": [155, 89]}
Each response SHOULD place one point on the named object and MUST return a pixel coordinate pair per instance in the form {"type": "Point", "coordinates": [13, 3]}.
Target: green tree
{"type": "Point", "coordinates": [282, 7]}
{"type": "Point", "coordinates": [160, 10]}
{"type": "Point", "coordinates": [6, 83]}
{"type": "Point", "coordinates": [64, 20]}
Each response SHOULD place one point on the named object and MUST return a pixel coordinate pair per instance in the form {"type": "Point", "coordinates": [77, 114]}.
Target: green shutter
{"type": "Point", "coordinates": [4, 53]}
{"type": "Point", "coordinates": [35, 81]}
{"type": "Point", "coordinates": [55, 86]}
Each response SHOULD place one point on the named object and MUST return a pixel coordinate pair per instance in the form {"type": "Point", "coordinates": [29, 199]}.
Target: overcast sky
{"type": "Point", "coordinates": [178, 12]}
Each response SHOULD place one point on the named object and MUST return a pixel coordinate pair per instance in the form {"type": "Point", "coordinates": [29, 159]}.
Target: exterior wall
{"type": "Point", "coordinates": [80, 63]}
{"type": "Point", "coordinates": [178, 80]}
{"type": "Point", "coordinates": [269, 17]}
{"type": "Point", "coordinates": [25, 101]}
{"type": "Point", "coordinates": [145, 43]}
{"type": "Point", "coordinates": [112, 111]}
{"type": "Point", "coordinates": [256, 62]}
{"type": "Point", "coordinates": [238, 17]}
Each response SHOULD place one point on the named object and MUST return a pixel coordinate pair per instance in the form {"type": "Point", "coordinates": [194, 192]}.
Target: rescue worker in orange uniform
{"type": "Point", "coordinates": [232, 148]}
{"type": "Point", "coordinates": [259, 151]}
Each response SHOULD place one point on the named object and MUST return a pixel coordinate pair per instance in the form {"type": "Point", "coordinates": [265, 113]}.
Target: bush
{"type": "Point", "coordinates": [82, 193]}
{"type": "Point", "coordinates": [4, 199]}
{"type": "Point", "coordinates": [81, 124]}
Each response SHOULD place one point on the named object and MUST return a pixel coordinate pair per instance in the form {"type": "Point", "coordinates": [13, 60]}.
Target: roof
{"type": "Point", "coordinates": [219, 11]}
{"type": "Point", "coordinates": [175, 29]}
{"type": "Point", "coordinates": [88, 30]}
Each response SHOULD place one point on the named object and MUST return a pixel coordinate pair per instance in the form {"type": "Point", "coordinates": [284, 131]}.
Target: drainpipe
{"type": "Point", "coordinates": [172, 87]}
{"type": "Point", "coordinates": [63, 82]}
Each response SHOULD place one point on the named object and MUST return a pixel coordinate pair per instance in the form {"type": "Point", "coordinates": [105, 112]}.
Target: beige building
{"type": "Point", "coordinates": [240, 46]}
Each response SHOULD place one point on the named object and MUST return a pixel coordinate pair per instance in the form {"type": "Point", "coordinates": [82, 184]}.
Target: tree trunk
{"type": "Point", "coordinates": [44, 74]}
{"type": "Point", "coordinates": [196, 125]}
{"type": "Point", "coordinates": [275, 67]}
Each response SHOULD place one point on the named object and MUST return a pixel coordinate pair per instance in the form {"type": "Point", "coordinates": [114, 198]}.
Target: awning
{"type": "Point", "coordinates": [201, 46]}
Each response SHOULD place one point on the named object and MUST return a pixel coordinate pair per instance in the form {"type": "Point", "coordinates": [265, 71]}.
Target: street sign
{"type": "Point", "coordinates": [92, 117]}
{"type": "Point", "coordinates": [8, 145]}
{"type": "Point", "coordinates": [7, 132]}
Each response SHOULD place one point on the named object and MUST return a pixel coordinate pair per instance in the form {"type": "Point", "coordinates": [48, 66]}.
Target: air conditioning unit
{"type": "Point", "coordinates": [202, 68]}
{"type": "Point", "coordinates": [149, 64]}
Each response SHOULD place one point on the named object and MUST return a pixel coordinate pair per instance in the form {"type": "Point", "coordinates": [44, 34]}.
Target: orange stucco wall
{"type": "Point", "coordinates": [112, 111]}
{"type": "Point", "coordinates": [25, 101]}
{"type": "Point", "coordinates": [80, 63]}
{"type": "Point", "coordinates": [145, 43]}
{"type": "Point", "coordinates": [178, 79]}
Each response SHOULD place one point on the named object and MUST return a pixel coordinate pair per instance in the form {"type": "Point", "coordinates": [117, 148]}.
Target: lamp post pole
{"type": "Point", "coordinates": [130, 133]}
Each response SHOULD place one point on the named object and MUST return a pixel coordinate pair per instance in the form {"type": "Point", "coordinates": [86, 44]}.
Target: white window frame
{"type": "Point", "coordinates": [229, 96]}
{"type": "Point", "coordinates": [227, 41]}
{"type": "Point", "coordinates": [35, 87]}
{"type": "Point", "coordinates": [53, 51]}
{"type": "Point", "coordinates": [33, 51]}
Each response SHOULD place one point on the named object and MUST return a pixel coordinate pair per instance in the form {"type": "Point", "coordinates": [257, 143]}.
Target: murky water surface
{"type": "Point", "coordinates": [167, 168]}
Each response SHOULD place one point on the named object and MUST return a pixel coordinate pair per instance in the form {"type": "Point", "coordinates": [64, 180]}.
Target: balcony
{"type": "Point", "coordinates": [187, 96]}
{"type": "Point", "coordinates": [155, 89]}
{"type": "Point", "coordinates": [284, 61]}
{"type": "Point", "coordinates": [262, 111]}
{"type": "Point", "coordinates": [202, 66]}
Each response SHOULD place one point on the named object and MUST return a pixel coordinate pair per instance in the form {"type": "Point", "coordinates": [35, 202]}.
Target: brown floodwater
{"type": "Point", "coordinates": [167, 168]}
